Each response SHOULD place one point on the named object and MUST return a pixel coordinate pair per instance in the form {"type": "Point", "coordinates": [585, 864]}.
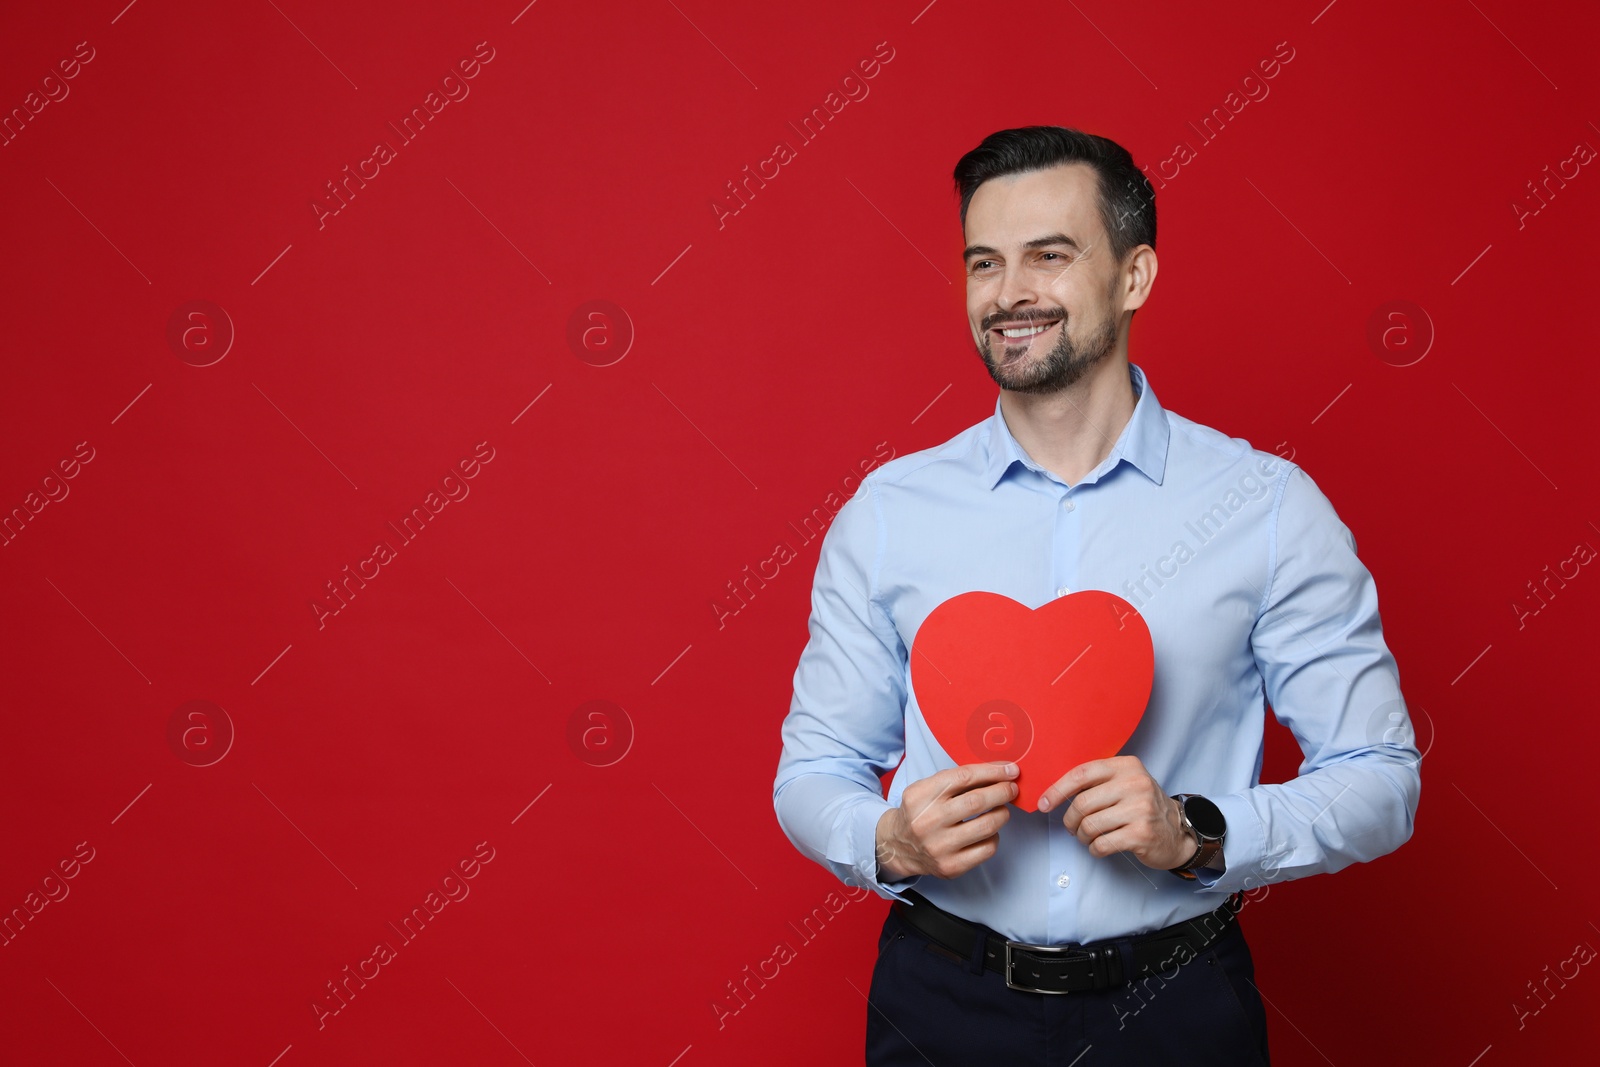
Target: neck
{"type": "Point", "coordinates": [1071, 432]}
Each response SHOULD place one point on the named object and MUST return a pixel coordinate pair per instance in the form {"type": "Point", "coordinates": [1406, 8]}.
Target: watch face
{"type": "Point", "coordinates": [1205, 817]}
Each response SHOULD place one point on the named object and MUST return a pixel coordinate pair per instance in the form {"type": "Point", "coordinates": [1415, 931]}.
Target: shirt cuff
{"type": "Point", "coordinates": [861, 854]}
{"type": "Point", "coordinates": [1243, 849]}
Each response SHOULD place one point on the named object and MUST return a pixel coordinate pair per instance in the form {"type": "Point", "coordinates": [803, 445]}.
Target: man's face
{"type": "Point", "coordinates": [1037, 256]}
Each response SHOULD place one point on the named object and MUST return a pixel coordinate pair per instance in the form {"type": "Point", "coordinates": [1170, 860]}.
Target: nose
{"type": "Point", "coordinates": [1015, 291]}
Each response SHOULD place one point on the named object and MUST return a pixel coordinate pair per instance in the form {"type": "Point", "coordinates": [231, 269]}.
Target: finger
{"type": "Point", "coordinates": [963, 781]}
{"type": "Point", "coordinates": [979, 801]}
{"type": "Point", "coordinates": [964, 834]}
{"type": "Point", "coordinates": [971, 856]}
{"type": "Point", "coordinates": [955, 783]}
{"type": "Point", "coordinates": [1103, 822]}
{"type": "Point", "coordinates": [1088, 801]}
{"type": "Point", "coordinates": [1120, 840]}
{"type": "Point", "coordinates": [923, 794]}
{"type": "Point", "coordinates": [975, 775]}
{"type": "Point", "coordinates": [1080, 777]}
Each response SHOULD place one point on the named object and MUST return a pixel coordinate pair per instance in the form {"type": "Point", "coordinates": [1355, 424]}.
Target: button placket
{"type": "Point", "coordinates": [1067, 504]}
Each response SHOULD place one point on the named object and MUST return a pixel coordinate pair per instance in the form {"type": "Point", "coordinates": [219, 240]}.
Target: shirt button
{"type": "Point", "coordinates": [1066, 502]}
{"type": "Point", "coordinates": [1063, 591]}
{"type": "Point", "coordinates": [1064, 880]}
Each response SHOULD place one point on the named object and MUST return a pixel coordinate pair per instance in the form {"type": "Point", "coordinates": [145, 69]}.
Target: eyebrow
{"type": "Point", "coordinates": [1037, 242]}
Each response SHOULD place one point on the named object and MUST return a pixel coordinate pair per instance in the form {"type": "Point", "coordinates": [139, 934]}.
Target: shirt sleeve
{"type": "Point", "coordinates": [846, 722]}
{"type": "Point", "coordinates": [1331, 679]}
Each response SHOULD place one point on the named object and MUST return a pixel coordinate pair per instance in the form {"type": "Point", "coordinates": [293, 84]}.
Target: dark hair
{"type": "Point", "coordinates": [1127, 199]}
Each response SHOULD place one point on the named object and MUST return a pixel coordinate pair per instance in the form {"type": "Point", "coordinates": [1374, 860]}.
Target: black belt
{"type": "Point", "coordinates": [1070, 968]}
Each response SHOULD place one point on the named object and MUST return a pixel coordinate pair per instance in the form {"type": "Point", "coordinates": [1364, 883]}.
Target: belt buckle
{"type": "Point", "coordinates": [1061, 950]}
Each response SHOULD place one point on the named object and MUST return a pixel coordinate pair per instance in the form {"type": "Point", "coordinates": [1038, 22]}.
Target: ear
{"type": "Point", "coordinates": [1137, 277]}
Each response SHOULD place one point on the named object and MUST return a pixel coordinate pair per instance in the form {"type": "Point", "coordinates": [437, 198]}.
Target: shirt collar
{"type": "Point", "coordinates": [1143, 441]}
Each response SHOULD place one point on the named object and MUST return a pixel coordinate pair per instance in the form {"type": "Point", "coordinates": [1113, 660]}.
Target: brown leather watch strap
{"type": "Point", "coordinates": [1201, 857]}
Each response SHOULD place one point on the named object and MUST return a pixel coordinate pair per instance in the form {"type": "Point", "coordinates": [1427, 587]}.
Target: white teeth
{"type": "Point", "coordinates": [1027, 331]}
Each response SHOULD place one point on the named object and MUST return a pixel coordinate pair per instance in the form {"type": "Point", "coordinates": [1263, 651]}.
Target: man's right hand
{"type": "Point", "coordinates": [947, 823]}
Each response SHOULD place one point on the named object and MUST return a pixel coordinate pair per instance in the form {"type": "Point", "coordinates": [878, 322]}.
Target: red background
{"type": "Point", "coordinates": [771, 354]}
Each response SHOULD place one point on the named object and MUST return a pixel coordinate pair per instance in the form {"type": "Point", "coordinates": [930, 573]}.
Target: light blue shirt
{"type": "Point", "coordinates": [1253, 594]}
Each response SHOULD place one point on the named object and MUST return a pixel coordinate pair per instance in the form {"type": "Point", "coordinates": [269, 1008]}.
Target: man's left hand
{"type": "Point", "coordinates": [1118, 807]}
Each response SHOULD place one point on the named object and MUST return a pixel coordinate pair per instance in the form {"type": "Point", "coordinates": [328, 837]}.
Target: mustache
{"type": "Point", "coordinates": [1025, 320]}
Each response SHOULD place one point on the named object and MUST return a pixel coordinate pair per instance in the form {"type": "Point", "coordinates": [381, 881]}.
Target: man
{"type": "Point", "coordinates": [1252, 592]}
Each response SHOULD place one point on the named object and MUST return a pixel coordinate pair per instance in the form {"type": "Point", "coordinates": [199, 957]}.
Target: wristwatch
{"type": "Point", "coordinates": [1210, 827]}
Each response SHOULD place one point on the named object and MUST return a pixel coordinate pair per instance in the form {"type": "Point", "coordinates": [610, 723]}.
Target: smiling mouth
{"type": "Point", "coordinates": [1023, 334]}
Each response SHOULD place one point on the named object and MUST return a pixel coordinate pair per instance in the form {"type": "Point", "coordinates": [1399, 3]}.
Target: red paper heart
{"type": "Point", "coordinates": [1047, 688]}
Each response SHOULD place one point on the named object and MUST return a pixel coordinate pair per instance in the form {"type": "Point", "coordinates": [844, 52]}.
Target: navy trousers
{"type": "Point", "coordinates": [927, 1006]}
